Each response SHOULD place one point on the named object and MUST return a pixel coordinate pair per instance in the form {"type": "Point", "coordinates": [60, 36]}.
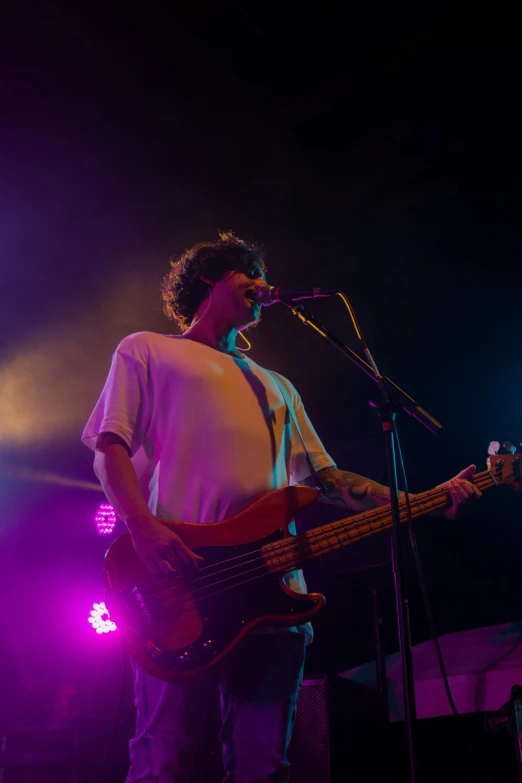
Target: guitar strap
{"type": "Point", "coordinates": [318, 485]}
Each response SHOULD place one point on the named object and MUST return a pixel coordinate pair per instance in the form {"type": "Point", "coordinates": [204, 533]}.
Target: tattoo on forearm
{"type": "Point", "coordinates": [344, 488]}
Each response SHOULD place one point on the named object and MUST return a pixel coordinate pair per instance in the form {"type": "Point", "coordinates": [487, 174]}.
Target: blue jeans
{"type": "Point", "coordinates": [259, 684]}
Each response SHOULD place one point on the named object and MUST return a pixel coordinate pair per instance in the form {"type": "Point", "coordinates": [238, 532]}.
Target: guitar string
{"type": "Point", "coordinates": [262, 567]}
{"type": "Point", "coordinates": [290, 547]}
{"type": "Point", "coordinates": [293, 548]}
{"type": "Point", "coordinates": [369, 517]}
{"type": "Point", "coordinates": [286, 545]}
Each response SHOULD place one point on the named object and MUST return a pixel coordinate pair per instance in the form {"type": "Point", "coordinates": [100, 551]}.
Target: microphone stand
{"type": "Point", "coordinates": [394, 398]}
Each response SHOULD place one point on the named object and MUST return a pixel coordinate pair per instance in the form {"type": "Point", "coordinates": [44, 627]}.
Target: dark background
{"type": "Point", "coordinates": [371, 149]}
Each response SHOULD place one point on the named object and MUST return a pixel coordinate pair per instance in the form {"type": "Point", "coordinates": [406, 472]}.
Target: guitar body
{"type": "Point", "coordinates": [176, 626]}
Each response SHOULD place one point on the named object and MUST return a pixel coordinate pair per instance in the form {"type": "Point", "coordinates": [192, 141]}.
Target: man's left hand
{"type": "Point", "coordinates": [461, 491]}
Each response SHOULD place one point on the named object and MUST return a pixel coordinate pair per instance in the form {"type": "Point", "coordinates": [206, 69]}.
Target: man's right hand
{"type": "Point", "coordinates": [162, 550]}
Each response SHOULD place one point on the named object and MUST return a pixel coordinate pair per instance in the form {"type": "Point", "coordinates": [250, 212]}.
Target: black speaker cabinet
{"type": "Point", "coordinates": [338, 725]}
{"type": "Point", "coordinates": [309, 751]}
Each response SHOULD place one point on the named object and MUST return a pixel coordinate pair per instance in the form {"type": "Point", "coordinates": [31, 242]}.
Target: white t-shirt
{"type": "Point", "coordinates": [208, 432]}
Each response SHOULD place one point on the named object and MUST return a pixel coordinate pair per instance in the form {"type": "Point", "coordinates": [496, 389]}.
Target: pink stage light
{"type": "Point", "coordinates": [100, 618]}
{"type": "Point", "coordinates": [105, 519]}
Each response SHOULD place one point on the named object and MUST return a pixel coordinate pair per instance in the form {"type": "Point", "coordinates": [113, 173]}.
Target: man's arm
{"type": "Point", "coordinates": [352, 491]}
{"type": "Point", "coordinates": [115, 471]}
{"type": "Point", "coordinates": [161, 549]}
{"type": "Point", "coordinates": [358, 493]}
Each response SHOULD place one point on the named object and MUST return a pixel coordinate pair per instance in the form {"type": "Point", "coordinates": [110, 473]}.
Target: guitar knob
{"type": "Point", "coordinates": [509, 447]}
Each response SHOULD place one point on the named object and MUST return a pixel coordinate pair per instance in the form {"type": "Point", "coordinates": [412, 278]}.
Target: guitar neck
{"type": "Point", "coordinates": [294, 552]}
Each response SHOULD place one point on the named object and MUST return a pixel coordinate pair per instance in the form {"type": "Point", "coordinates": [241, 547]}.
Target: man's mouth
{"type": "Point", "coordinates": [250, 297]}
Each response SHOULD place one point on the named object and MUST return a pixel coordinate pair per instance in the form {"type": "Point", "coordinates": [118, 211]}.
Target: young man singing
{"type": "Point", "coordinates": [187, 428]}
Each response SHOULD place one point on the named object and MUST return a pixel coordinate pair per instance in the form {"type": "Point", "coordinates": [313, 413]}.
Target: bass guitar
{"type": "Point", "coordinates": [177, 626]}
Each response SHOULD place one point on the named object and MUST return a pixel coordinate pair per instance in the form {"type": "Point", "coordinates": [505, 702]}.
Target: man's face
{"type": "Point", "coordinates": [229, 296]}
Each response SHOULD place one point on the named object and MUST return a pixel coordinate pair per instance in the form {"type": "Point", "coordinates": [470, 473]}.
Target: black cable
{"type": "Point", "coordinates": [484, 774]}
{"type": "Point", "coordinates": [368, 567]}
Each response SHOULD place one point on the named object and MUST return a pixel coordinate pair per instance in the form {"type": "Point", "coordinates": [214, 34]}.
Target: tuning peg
{"type": "Point", "coordinates": [509, 447]}
{"type": "Point", "coordinates": [493, 448]}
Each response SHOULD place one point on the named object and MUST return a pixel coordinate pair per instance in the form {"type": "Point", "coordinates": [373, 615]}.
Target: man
{"type": "Point", "coordinates": [188, 428]}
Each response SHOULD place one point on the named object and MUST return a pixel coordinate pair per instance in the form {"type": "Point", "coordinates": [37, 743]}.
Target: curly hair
{"type": "Point", "coordinates": [182, 288]}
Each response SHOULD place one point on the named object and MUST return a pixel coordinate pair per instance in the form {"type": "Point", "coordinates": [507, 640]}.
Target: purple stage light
{"type": "Point", "coordinates": [100, 618]}
{"type": "Point", "coordinates": [105, 519]}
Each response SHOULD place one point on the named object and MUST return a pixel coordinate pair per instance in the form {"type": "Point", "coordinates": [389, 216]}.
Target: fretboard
{"type": "Point", "coordinates": [294, 551]}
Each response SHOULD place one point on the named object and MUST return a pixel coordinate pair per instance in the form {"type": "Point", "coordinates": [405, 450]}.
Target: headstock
{"type": "Point", "coordinates": [505, 468]}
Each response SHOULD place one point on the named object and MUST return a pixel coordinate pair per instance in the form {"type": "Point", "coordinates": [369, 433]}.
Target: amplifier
{"type": "Point", "coordinates": [309, 751]}
{"type": "Point", "coordinates": [338, 725]}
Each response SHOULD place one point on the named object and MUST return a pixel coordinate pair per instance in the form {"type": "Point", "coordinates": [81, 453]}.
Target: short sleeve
{"type": "Point", "coordinates": [319, 457]}
{"type": "Point", "coordinates": [124, 405]}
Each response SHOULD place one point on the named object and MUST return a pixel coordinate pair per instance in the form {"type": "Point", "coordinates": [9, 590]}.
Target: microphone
{"type": "Point", "coordinates": [268, 294]}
